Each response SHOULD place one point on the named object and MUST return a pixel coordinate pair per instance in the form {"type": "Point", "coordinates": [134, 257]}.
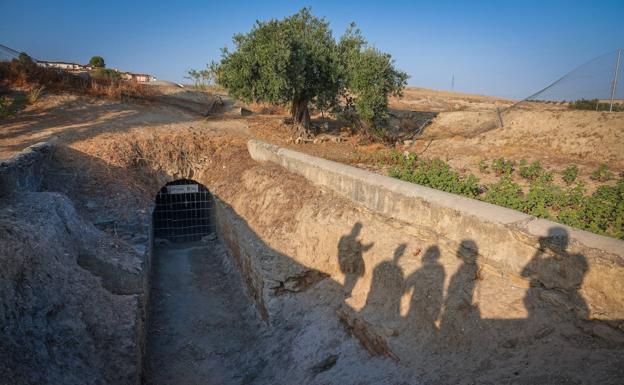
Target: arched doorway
{"type": "Point", "coordinates": [183, 211]}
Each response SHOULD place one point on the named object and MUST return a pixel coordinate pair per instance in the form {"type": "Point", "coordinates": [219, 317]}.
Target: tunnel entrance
{"type": "Point", "coordinates": [183, 211]}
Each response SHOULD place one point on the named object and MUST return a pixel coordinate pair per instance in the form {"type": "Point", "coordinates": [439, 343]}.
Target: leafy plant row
{"type": "Point", "coordinates": [601, 212]}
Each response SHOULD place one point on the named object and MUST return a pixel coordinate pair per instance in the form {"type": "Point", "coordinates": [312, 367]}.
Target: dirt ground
{"type": "Point", "coordinates": [464, 133]}
{"type": "Point", "coordinates": [203, 328]}
{"type": "Point", "coordinates": [550, 133]}
{"type": "Point", "coordinates": [108, 140]}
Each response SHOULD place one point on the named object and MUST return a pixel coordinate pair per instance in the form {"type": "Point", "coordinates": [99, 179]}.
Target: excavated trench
{"type": "Point", "coordinates": [202, 327]}
{"type": "Point", "coordinates": [178, 259]}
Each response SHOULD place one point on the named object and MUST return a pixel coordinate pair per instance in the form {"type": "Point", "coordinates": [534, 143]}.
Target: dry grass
{"type": "Point", "coordinates": [34, 93]}
{"type": "Point", "coordinates": [32, 77]}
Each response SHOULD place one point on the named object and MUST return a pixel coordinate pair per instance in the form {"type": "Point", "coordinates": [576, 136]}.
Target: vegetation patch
{"type": "Point", "coordinates": [25, 73]}
{"type": "Point", "coordinates": [601, 212]}
{"type": "Point", "coordinates": [437, 174]}
{"type": "Point", "coordinates": [570, 173]}
{"type": "Point", "coordinates": [594, 105]}
{"type": "Point", "coordinates": [602, 173]}
{"type": "Point", "coordinates": [502, 166]}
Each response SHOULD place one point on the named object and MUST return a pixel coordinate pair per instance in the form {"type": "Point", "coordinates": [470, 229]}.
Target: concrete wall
{"type": "Point", "coordinates": [507, 239]}
{"type": "Point", "coordinates": [24, 171]}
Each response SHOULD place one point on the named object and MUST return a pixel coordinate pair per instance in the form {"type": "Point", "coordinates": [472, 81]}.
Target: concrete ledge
{"type": "Point", "coordinates": [24, 171]}
{"type": "Point", "coordinates": [507, 239]}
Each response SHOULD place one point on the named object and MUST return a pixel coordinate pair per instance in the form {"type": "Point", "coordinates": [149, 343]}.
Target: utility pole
{"type": "Point", "coordinates": [615, 78]}
{"type": "Point", "coordinates": [453, 82]}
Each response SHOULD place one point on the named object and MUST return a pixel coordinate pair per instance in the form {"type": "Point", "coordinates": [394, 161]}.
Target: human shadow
{"type": "Point", "coordinates": [350, 259]}
{"type": "Point", "coordinates": [427, 285]}
{"type": "Point", "coordinates": [387, 288]}
{"type": "Point", "coordinates": [557, 271]}
{"type": "Point", "coordinates": [459, 309]}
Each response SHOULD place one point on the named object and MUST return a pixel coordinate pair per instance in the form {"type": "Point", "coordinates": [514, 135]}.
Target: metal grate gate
{"type": "Point", "coordinates": [183, 211]}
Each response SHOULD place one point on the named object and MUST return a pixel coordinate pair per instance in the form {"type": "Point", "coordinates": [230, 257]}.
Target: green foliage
{"type": "Point", "coordinates": [297, 61]}
{"type": "Point", "coordinates": [502, 166]}
{"type": "Point", "coordinates": [370, 75]}
{"type": "Point", "coordinates": [532, 171]}
{"type": "Point", "coordinates": [505, 193]}
{"type": "Point", "coordinates": [105, 74]}
{"type": "Point", "coordinates": [542, 195]}
{"type": "Point", "coordinates": [5, 106]}
{"type": "Point", "coordinates": [594, 105]}
{"type": "Point", "coordinates": [437, 174]}
{"type": "Point", "coordinates": [601, 213]}
{"type": "Point", "coordinates": [602, 173]}
{"type": "Point", "coordinates": [384, 158]}
{"type": "Point", "coordinates": [203, 78]}
{"type": "Point", "coordinates": [570, 173]}
{"type": "Point", "coordinates": [97, 62]}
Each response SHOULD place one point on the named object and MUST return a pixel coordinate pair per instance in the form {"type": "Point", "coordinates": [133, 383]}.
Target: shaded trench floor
{"type": "Point", "coordinates": [203, 328]}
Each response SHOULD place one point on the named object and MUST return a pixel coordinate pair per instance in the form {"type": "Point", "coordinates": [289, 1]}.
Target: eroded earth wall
{"type": "Point", "coordinates": [433, 293]}
{"type": "Point", "coordinates": [446, 289]}
{"type": "Point", "coordinates": [71, 296]}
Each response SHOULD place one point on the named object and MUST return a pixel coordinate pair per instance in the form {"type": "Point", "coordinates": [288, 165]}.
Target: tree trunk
{"type": "Point", "coordinates": [301, 119]}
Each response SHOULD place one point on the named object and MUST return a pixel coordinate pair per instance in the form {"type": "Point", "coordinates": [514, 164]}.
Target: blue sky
{"type": "Point", "coordinates": [503, 48]}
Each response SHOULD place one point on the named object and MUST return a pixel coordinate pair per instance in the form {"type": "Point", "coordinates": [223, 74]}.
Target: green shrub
{"type": "Point", "coordinates": [505, 193]}
{"type": "Point", "coordinates": [531, 172]}
{"type": "Point", "coordinates": [594, 105]}
{"type": "Point", "coordinates": [602, 174]}
{"type": "Point", "coordinates": [437, 174]}
{"type": "Point", "coordinates": [502, 166]}
{"type": "Point", "coordinates": [570, 173]}
{"type": "Point", "coordinates": [5, 106]}
{"type": "Point", "coordinates": [601, 213]}
{"type": "Point", "coordinates": [542, 195]}
{"type": "Point", "coordinates": [105, 74]}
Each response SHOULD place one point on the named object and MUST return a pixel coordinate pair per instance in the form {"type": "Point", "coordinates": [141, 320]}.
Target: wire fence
{"type": "Point", "coordinates": [594, 85]}
{"type": "Point", "coordinates": [8, 54]}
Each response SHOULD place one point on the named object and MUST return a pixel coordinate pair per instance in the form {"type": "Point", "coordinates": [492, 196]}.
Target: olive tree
{"type": "Point", "coordinates": [297, 62]}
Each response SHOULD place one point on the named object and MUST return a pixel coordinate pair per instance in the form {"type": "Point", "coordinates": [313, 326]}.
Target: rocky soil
{"type": "Point", "coordinates": [64, 318]}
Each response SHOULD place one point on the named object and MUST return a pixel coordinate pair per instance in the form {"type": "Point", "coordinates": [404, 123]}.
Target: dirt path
{"type": "Point", "coordinates": [203, 329]}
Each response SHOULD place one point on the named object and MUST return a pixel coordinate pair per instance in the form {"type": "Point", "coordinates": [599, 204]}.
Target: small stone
{"type": "Point", "coordinates": [408, 142]}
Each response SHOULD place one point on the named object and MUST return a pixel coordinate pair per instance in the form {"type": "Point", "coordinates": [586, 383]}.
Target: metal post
{"type": "Point", "coordinates": [615, 78]}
